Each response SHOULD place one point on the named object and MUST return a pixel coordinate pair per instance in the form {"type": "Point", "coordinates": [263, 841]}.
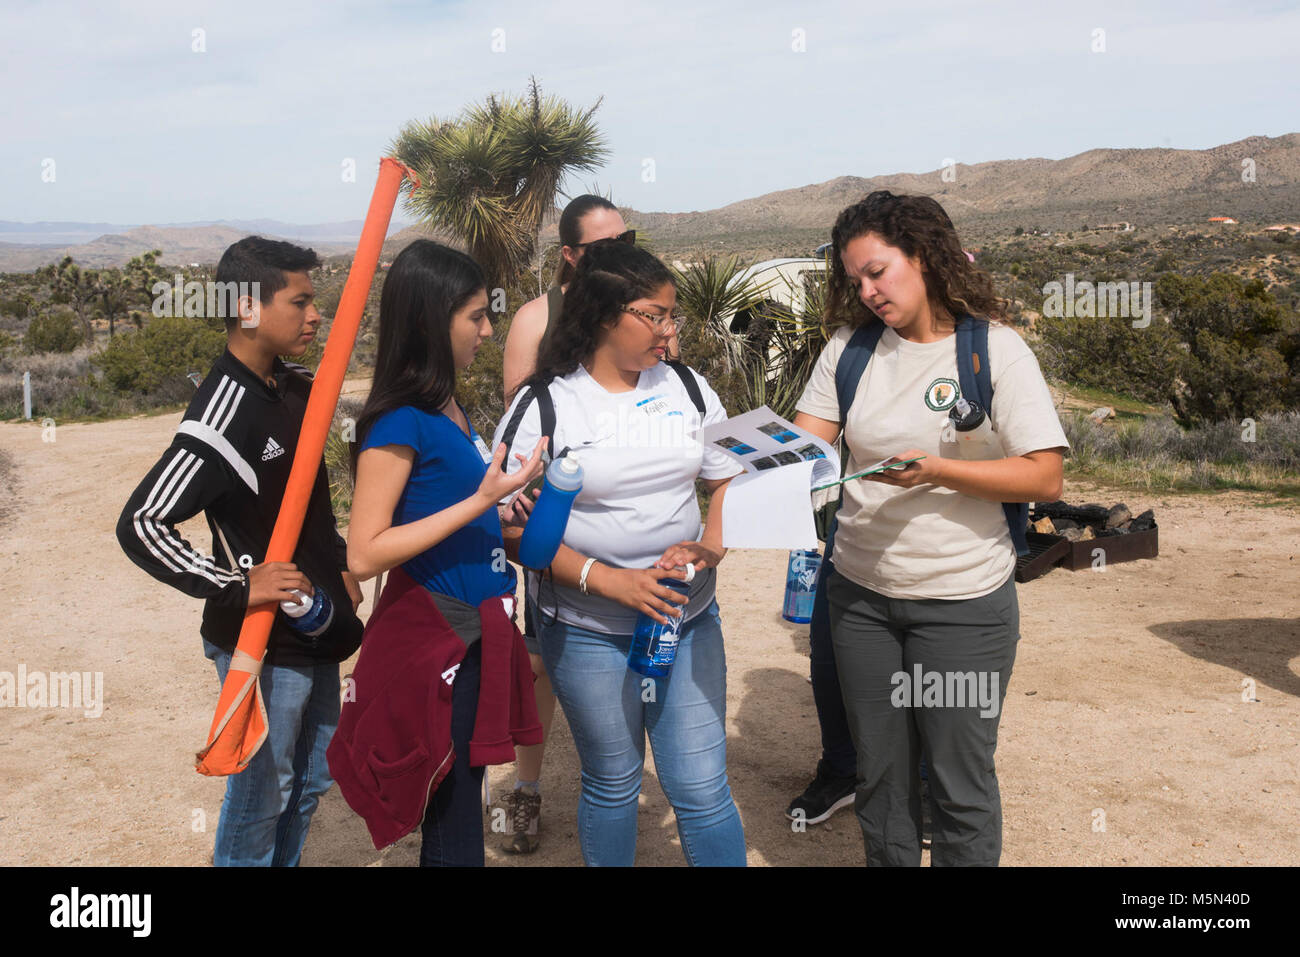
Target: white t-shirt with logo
{"type": "Point", "coordinates": [927, 541]}
{"type": "Point", "coordinates": [639, 469]}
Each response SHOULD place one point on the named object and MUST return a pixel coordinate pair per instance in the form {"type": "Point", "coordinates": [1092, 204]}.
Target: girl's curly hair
{"type": "Point", "coordinates": [608, 276]}
{"type": "Point", "coordinates": [918, 226]}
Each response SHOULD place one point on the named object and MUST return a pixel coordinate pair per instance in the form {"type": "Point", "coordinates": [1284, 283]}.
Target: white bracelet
{"type": "Point", "coordinates": [582, 579]}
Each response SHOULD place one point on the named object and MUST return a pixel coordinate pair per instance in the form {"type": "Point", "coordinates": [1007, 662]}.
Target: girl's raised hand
{"type": "Point", "coordinates": [497, 483]}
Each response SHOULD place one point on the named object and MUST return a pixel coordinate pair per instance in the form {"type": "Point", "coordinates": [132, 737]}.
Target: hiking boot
{"type": "Point", "coordinates": [827, 793]}
{"type": "Point", "coordinates": [524, 812]}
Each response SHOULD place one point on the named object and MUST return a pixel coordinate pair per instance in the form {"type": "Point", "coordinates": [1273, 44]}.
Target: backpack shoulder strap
{"type": "Point", "coordinates": [977, 380]}
{"type": "Point", "coordinates": [688, 380]}
{"type": "Point", "coordinates": [545, 407]}
{"type": "Point", "coordinates": [848, 373]}
{"type": "Point", "coordinates": [853, 362]}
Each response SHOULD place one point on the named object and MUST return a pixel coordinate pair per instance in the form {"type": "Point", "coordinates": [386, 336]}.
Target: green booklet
{"type": "Point", "coordinates": [881, 466]}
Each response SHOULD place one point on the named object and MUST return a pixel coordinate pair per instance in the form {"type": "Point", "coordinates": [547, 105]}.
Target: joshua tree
{"type": "Point", "coordinates": [490, 175]}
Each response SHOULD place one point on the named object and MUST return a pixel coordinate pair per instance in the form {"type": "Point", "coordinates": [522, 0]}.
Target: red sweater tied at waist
{"type": "Point", "coordinates": [393, 744]}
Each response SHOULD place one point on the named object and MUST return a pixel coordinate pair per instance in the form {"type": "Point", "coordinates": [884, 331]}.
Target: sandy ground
{"type": "Point", "coordinates": [1125, 706]}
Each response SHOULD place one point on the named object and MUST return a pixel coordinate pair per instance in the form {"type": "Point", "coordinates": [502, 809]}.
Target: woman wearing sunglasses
{"type": "Point", "coordinates": [585, 220]}
{"type": "Point", "coordinates": [627, 416]}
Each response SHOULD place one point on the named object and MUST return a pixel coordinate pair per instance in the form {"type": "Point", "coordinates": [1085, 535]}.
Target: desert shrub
{"type": "Point", "coordinates": [158, 357]}
{"type": "Point", "coordinates": [1160, 440]}
{"type": "Point", "coordinates": [1108, 353]}
{"type": "Point", "coordinates": [57, 331]}
{"type": "Point", "coordinates": [1237, 339]}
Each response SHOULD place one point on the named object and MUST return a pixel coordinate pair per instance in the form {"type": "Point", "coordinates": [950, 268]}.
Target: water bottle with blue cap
{"type": "Point", "coordinates": [544, 530]}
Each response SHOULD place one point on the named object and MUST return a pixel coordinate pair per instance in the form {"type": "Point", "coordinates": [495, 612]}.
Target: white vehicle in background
{"type": "Point", "coordinates": [778, 288]}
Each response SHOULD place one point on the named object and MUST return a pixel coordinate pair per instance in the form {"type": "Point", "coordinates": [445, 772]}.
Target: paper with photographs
{"type": "Point", "coordinates": [769, 506]}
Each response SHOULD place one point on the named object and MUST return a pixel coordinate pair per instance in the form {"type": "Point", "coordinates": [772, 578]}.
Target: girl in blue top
{"type": "Point", "coordinates": [426, 490]}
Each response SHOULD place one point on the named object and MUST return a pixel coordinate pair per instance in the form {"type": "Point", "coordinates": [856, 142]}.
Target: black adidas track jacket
{"type": "Point", "coordinates": [230, 458]}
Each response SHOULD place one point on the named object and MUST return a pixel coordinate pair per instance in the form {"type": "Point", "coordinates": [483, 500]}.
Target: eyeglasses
{"type": "Point", "coordinates": [628, 237]}
{"type": "Point", "coordinates": [660, 323]}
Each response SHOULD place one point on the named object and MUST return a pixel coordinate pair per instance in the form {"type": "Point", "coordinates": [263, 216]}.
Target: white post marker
{"type": "Point", "coordinates": [27, 395]}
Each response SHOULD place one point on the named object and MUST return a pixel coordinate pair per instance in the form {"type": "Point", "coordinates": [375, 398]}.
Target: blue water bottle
{"type": "Point", "coordinates": [545, 527]}
{"type": "Point", "coordinates": [654, 645]}
{"type": "Point", "coordinates": [311, 616]}
{"type": "Point", "coordinates": [800, 585]}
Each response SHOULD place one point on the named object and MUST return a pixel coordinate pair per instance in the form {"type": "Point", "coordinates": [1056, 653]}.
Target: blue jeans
{"type": "Point", "coordinates": [268, 805]}
{"type": "Point", "coordinates": [610, 709]}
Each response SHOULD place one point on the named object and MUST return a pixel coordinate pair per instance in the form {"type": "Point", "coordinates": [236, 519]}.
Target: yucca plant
{"type": "Point", "coordinates": [709, 293]}
{"type": "Point", "coordinates": [783, 346]}
{"type": "Point", "coordinates": [491, 175]}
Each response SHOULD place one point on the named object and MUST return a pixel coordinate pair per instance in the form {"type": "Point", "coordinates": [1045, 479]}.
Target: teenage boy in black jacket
{"type": "Point", "coordinates": [230, 458]}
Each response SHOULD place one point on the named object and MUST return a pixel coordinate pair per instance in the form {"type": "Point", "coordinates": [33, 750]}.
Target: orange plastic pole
{"type": "Point", "coordinates": [239, 725]}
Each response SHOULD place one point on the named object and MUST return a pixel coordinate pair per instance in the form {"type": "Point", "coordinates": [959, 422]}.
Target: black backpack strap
{"type": "Point", "coordinates": [970, 383]}
{"type": "Point", "coordinates": [688, 380]}
{"type": "Point", "coordinates": [848, 373]}
{"type": "Point", "coordinates": [977, 381]}
{"type": "Point", "coordinates": [853, 362]}
{"type": "Point", "coordinates": [545, 408]}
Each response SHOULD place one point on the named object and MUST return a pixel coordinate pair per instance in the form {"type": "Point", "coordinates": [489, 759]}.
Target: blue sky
{"type": "Point", "coordinates": [143, 129]}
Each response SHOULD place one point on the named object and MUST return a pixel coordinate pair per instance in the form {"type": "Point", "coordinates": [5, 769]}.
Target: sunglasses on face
{"type": "Point", "coordinates": [628, 237]}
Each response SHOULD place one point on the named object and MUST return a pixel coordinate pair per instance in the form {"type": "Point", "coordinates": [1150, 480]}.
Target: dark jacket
{"type": "Point", "coordinates": [393, 745]}
{"type": "Point", "coordinates": [230, 459]}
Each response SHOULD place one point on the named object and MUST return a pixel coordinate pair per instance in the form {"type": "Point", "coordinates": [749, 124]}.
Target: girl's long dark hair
{"type": "Point", "coordinates": [571, 228]}
{"type": "Point", "coordinates": [919, 227]}
{"type": "Point", "coordinates": [427, 283]}
{"type": "Point", "coordinates": [608, 277]}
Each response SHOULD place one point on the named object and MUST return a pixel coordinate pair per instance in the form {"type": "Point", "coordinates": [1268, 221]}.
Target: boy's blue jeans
{"type": "Point", "coordinates": [611, 708]}
{"type": "Point", "coordinates": [268, 805]}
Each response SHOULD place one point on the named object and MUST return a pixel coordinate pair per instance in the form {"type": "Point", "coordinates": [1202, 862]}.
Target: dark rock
{"type": "Point", "coordinates": [1063, 523]}
{"type": "Point", "coordinates": [1144, 522]}
{"type": "Point", "coordinates": [1089, 514]}
{"type": "Point", "coordinates": [1117, 515]}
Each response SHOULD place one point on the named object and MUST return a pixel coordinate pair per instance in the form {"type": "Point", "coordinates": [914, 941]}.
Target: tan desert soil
{"type": "Point", "coordinates": [1125, 706]}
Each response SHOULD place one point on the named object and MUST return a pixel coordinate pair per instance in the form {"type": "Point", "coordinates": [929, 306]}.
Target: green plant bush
{"type": "Point", "coordinates": [158, 357]}
{"type": "Point", "coordinates": [56, 332]}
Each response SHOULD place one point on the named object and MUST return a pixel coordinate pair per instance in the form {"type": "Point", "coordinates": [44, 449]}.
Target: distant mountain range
{"type": "Point", "coordinates": [1147, 187]}
{"type": "Point", "coordinates": [25, 246]}
{"type": "Point", "coordinates": [1255, 181]}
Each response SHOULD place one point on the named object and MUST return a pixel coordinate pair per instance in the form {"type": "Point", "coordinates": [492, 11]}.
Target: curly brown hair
{"type": "Point", "coordinates": [919, 227]}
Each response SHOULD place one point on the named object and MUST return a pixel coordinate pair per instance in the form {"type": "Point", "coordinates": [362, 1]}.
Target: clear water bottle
{"type": "Point", "coordinates": [310, 615]}
{"type": "Point", "coordinates": [654, 645]}
{"type": "Point", "coordinates": [973, 432]}
{"type": "Point", "coordinates": [800, 585]}
{"type": "Point", "coordinates": [544, 530]}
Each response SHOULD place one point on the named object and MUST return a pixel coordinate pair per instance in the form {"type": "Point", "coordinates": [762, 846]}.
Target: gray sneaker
{"type": "Point", "coordinates": [524, 812]}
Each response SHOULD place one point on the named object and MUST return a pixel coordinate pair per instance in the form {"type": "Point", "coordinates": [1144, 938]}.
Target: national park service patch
{"type": "Point", "coordinates": [941, 394]}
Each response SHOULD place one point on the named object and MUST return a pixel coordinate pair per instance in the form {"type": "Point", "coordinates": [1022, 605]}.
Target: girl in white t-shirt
{"type": "Point", "coordinates": [628, 417]}
{"type": "Point", "coordinates": [923, 613]}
